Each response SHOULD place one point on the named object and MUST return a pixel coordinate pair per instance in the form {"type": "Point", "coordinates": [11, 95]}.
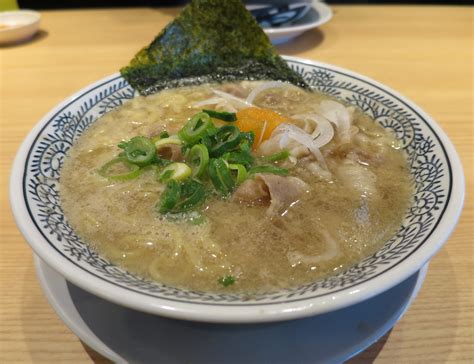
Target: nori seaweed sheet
{"type": "Point", "coordinates": [211, 40]}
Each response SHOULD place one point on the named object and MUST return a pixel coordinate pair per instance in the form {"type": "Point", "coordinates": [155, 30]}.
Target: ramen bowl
{"type": "Point", "coordinates": [436, 205]}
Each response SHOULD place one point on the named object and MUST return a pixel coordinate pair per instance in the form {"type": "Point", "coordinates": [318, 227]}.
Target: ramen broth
{"type": "Point", "coordinates": [352, 200]}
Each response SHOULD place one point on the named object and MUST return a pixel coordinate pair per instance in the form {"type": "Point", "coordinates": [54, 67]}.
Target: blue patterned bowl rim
{"type": "Point", "coordinates": [435, 166]}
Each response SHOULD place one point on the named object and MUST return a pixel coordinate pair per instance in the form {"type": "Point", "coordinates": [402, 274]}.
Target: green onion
{"type": "Point", "coordinates": [226, 281]}
{"type": "Point", "coordinates": [244, 158]}
{"type": "Point", "coordinates": [220, 176]}
{"type": "Point", "coordinates": [119, 169]}
{"type": "Point", "coordinates": [268, 169]}
{"type": "Point", "coordinates": [199, 159]}
{"type": "Point", "coordinates": [170, 196]}
{"type": "Point", "coordinates": [166, 141]}
{"type": "Point", "coordinates": [181, 197]}
{"type": "Point", "coordinates": [241, 172]}
{"type": "Point", "coordinates": [192, 195]}
{"type": "Point", "coordinates": [249, 136]}
{"type": "Point", "coordinates": [162, 135]}
{"type": "Point", "coordinates": [122, 144]}
{"type": "Point", "coordinates": [282, 155]}
{"type": "Point", "coordinates": [227, 138]}
{"type": "Point", "coordinates": [139, 150]}
{"type": "Point", "coordinates": [195, 128]}
{"type": "Point", "coordinates": [221, 115]}
{"type": "Point", "coordinates": [176, 171]}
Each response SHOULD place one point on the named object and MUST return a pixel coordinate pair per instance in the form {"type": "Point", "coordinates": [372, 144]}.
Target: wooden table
{"type": "Point", "coordinates": [426, 53]}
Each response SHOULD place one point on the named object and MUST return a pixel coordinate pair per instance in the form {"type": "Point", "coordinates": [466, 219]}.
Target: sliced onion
{"type": "Point", "coordinates": [339, 115]}
{"type": "Point", "coordinates": [236, 101]}
{"type": "Point", "coordinates": [225, 106]}
{"type": "Point", "coordinates": [262, 132]}
{"type": "Point", "coordinates": [265, 86]}
{"type": "Point", "coordinates": [323, 133]}
{"type": "Point", "coordinates": [211, 101]}
{"type": "Point", "coordinates": [299, 135]}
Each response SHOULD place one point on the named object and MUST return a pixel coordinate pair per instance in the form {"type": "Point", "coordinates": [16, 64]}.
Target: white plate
{"type": "Point", "coordinates": [318, 14]}
{"type": "Point", "coordinates": [125, 335]}
{"type": "Point", "coordinates": [19, 25]}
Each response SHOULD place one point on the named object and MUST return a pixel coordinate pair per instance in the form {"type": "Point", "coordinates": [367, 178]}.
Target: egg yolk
{"type": "Point", "coordinates": [259, 120]}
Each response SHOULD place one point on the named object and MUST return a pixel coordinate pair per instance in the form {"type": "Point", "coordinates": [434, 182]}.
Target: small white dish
{"type": "Point", "coordinates": [124, 335]}
{"type": "Point", "coordinates": [318, 14]}
{"type": "Point", "coordinates": [19, 25]}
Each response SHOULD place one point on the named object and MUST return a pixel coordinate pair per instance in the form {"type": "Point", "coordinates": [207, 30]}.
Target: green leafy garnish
{"type": "Point", "coordinates": [226, 281]}
{"type": "Point", "coordinates": [199, 159]}
{"type": "Point", "coordinates": [164, 134]}
{"type": "Point", "coordinates": [217, 160]}
{"type": "Point", "coordinates": [181, 197]}
{"type": "Point", "coordinates": [195, 129]}
{"type": "Point", "coordinates": [177, 171]}
{"type": "Point", "coordinates": [119, 169]}
{"type": "Point", "coordinates": [280, 156]}
{"type": "Point", "coordinates": [210, 40]}
{"type": "Point", "coordinates": [269, 169]}
{"type": "Point", "coordinates": [139, 150]}
{"type": "Point", "coordinates": [221, 176]}
{"type": "Point", "coordinates": [224, 140]}
{"type": "Point", "coordinates": [221, 115]}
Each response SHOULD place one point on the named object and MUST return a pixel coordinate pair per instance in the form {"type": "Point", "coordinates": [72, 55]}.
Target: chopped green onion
{"type": "Point", "coordinates": [268, 169]}
{"type": "Point", "coordinates": [220, 176]}
{"type": "Point", "coordinates": [226, 281]}
{"type": "Point", "coordinates": [161, 162]}
{"type": "Point", "coordinates": [221, 115]}
{"type": "Point", "coordinates": [192, 195]}
{"type": "Point", "coordinates": [195, 128]}
{"type": "Point", "coordinates": [139, 150]}
{"type": "Point", "coordinates": [227, 138]}
{"type": "Point", "coordinates": [249, 136]}
{"type": "Point", "coordinates": [241, 172]}
{"type": "Point", "coordinates": [122, 144]}
{"type": "Point", "coordinates": [176, 171]}
{"type": "Point", "coordinates": [244, 158]}
{"type": "Point", "coordinates": [162, 135]}
{"type": "Point", "coordinates": [199, 159]}
{"type": "Point", "coordinates": [166, 141]}
{"type": "Point", "coordinates": [119, 169]}
{"type": "Point", "coordinates": [282, 155]}
{"type": "Point", "coordinates": [170, 196]}
{"type": "Point", "coordinates": [181, 197]}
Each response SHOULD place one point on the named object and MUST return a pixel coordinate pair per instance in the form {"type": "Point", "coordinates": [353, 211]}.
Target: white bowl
{"type": "Point", "coordinates": [434, 164]}
{"type": "Point", "coordinates": [318, 14]}
{"type": "Point", "coordinates": [19, 25]}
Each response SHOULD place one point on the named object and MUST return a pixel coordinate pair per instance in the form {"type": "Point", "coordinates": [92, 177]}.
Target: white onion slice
{"type": "Point", "coordinates": [211, 101]}
{"type": "Point", "coordinates": [265, 86]}
{"type": "Point", "coordinates": [262, 132]}
{"type": "Point", "coordinates": [236, 101]}
{"type": "Point", "coordinates": [339, 115]}
{"type": "Point", "coordinates": [300, 136]}
{"type": "Point", "coordinates": [323, 133]}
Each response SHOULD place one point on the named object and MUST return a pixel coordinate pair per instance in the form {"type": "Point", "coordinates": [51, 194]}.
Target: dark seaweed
{"type": "Point", "coordinates": [210, 41]}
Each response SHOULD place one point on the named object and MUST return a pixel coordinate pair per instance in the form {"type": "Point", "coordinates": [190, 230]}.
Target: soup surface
{"type": "Point", "coordinates": [343, 197]}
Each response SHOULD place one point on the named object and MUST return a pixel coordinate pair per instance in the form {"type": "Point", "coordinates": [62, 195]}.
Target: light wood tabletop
{"type": "Point", "coordinates": [424, 52]}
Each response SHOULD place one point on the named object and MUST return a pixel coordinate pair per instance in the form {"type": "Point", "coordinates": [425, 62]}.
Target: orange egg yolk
{"type": "Point", "coordinates": [259, 120]}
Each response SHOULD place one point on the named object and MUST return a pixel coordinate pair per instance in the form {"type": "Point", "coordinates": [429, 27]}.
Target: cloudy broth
{"type": "Point", "coordinates": [345, 214]}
